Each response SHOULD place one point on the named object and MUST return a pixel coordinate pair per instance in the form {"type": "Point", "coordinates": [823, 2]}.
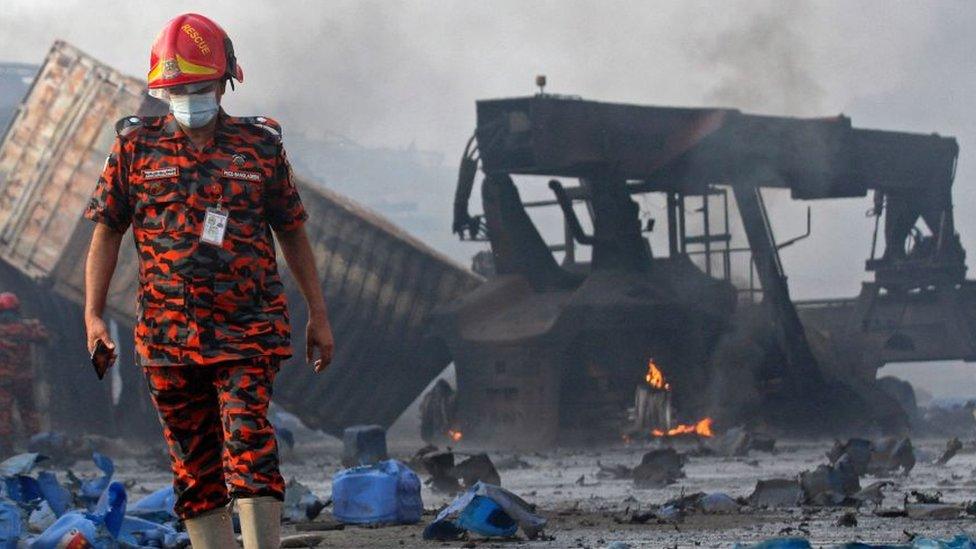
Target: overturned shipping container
{"type": "Point", "coordinates": [380, 282]}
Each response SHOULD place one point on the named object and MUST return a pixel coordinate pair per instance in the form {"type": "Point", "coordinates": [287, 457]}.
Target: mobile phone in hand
{"type": "Point", "coordinates": [102, 358]}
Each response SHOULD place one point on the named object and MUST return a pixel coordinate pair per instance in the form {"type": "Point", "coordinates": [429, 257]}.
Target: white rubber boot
{"type": "Point", "coordinates": [260, 522]}
{"type": "Point", "coordinates": [212, 530]}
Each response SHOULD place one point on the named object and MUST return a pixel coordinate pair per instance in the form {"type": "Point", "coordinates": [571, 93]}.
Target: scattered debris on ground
{"type": "Point", "coordinates": [477, 468]}
{"type": "Point", "coordinates": [614, 471]}
{"type": "Point", "coordinates": [887, 456]}
{"type": "Point", "coordinates": [301, 504]}
{"type": "Point", "coordinates": [873, 493]}
{"type": "Point", "coordinates": [829, 485]}
{"type": "Point", "coordinates": [658, 468]}
{"type": "Point", "coordinates": [917, 542]}
{"type": "Point", "coordinates": [439, 464]}
{"type": "Point", "coordinates": [714, 499]}
{"type": "Point", "coordinates": [738, 441]}
{"type": "Point", "coordinates": [952, 448]}
{"type": "Point", "coordinates": [302, 540]}
{"type": "Point", "coordinates": [512, 462]}
{"type": "Point", "coordinates": [777, 493]}
{"type": "Point", "coordinates": [921, 505]}
{"type": "Point", "coordinates": [486, 510]}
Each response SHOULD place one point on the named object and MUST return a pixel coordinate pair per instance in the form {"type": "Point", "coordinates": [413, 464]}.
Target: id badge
{"type": "Point", "coordinates": [214, 226]}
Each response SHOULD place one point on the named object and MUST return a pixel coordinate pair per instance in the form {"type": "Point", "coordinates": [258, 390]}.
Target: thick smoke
{"type": "Point", "coordinates": [764, 65]}
{"type": "Point", "coordinates": [405, 76]}
{"type": "Point", "coordinates": [402, 75]}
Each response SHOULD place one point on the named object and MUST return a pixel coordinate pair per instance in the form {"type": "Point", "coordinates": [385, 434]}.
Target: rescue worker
{"type": "Point", "coordinates": [16, 371]}
{"type": "Point", "coordinates": [203, 192]}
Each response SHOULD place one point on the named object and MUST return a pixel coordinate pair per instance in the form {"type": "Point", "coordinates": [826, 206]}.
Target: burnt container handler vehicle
{"type": "Point", "coordinates": [550, 351]}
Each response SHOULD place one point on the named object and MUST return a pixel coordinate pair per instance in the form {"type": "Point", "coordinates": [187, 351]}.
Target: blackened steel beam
{"type": "Point", "coordinates": [776, 294]}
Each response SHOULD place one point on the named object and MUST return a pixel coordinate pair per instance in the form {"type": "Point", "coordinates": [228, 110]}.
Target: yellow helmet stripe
{"type": "Point", "coordinates": [191, 68]}
{"type": "Point", "coordinates": [156, 72]}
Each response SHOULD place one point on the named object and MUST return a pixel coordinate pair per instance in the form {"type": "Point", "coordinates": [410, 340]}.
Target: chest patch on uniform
{"type": "Point", "coordinates": [242, 175]}
{"type": "Point", "coordinates": [160, 173]}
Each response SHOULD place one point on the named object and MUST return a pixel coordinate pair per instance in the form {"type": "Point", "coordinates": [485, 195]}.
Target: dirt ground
{"type": "Point", "coordinates": [586, 511]}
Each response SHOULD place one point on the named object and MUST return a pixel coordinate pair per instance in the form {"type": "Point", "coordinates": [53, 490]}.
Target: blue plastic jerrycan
{"type": "Point", "coordinates": [387, 492]}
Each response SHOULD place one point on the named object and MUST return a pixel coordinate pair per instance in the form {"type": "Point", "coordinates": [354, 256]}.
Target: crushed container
{"type": "Point", "coordinates": [10, 527]}
{"type": "Point", "coordinates": [486, 518]}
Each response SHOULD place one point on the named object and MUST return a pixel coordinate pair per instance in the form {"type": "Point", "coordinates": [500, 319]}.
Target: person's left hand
{"type": "Point", "coordinates": [318, 335]}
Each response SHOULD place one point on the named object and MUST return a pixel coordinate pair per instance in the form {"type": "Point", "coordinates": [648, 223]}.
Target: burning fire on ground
{"type": "Point", "coordinates": [703, 429]}
{"type": "Point", "coordinates": [655, 379]}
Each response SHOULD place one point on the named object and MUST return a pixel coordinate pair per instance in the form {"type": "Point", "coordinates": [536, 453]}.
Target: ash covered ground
{"type": "Point", "coordinates": [585, 510]}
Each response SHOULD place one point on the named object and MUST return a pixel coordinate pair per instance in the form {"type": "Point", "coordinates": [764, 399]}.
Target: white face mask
{"type": "Point", "coordinates": [194, 110]}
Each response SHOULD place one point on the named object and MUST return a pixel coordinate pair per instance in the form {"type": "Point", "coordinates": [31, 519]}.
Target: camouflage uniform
{"type": "Point", "coordinates": [211, 408]}
{"type": "Point", "coordinates": [16, 377]}
{"type": "Point", "coordinates": [210, 317]}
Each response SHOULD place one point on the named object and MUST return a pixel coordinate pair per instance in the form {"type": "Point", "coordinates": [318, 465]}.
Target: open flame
{"type": "Point", "coordinates": [703, 429]}
{"type": "Point", "coordinates": [655, 378]}
{"type": "Point", "coordinates": [455, 435]}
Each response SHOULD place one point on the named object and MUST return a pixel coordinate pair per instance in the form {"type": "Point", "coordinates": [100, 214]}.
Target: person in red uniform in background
{"type": "Point", "coordinates": [204, 192]}
{"type": "Point", "coordinates": [16, 371]}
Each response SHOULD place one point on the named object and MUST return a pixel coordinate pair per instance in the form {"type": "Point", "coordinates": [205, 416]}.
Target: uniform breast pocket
{"type": "Point", "coordinates": [244, 195]}
{"type": "Point", "coordinates": [242, 199]}
{"type": "Point", "coordinates": [161, 208]}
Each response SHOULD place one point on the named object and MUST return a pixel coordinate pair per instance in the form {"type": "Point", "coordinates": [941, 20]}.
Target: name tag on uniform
{"type": "Point", "coordinates": [214, 226]}
{"type": "Point", "coordinates": [161, 173]}
{"type": "Point", "coordinates": [242, 175]}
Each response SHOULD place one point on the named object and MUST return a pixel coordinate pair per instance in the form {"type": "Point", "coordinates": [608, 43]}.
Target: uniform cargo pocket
{"type": "Point", "coordinates": [164, 317]}
{"type": "Point", "coordinates": [234, 299]}
{"type": "Point", "coordinates": [239, 312]}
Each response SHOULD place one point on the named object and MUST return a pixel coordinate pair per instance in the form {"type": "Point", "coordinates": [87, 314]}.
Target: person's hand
{"type": "Point", "coordinates": [318, 335]}
{"type": "Point", "coordinates": [97, 330]}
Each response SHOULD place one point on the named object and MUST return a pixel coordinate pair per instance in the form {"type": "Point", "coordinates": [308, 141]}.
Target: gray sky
{"type": "Point", "coordinates": [401, 73]}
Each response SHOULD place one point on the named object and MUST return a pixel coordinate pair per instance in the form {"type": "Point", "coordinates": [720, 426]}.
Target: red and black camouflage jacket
{"type": "Point", "coordinates": [200, 303]}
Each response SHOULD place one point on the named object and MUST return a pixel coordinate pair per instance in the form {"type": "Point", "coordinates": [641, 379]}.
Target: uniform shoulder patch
{"type": "Point", "coordinates": [268, 124]}
{"type": "Point", "coordinates": [129, 125]}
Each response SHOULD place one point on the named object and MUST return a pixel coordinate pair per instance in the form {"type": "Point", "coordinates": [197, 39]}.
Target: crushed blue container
{"type": "Point", "coordinates": [10, 525]}
{"type": "Point", "coordinates": [363, 445]}
{"type": "Point", "coordinates": [387, 492]}
{"type": "Point", "coordinates": [485, 517]}
{"type": "Point", "coordinates": [157, 506]}
{"type": "Point", "coordinates": [73, 529]}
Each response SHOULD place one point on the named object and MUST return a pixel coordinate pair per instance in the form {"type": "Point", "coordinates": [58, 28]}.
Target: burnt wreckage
{"type": "Point", "coordinates": [543, 350]}
{"type": "Point", "coordinates": [547, 350]}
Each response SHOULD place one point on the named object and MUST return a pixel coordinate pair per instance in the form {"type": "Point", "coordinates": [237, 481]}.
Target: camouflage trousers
{"type": "Point", "coordinates": [17, 390]}
{"type": "Point", "coordinates": [221, 444]}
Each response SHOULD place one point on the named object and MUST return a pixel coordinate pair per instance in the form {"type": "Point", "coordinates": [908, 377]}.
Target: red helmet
{"type": "Point", "coordinates": [9, 302]}
{"type": "Point", "coordinates": [190, 49]}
